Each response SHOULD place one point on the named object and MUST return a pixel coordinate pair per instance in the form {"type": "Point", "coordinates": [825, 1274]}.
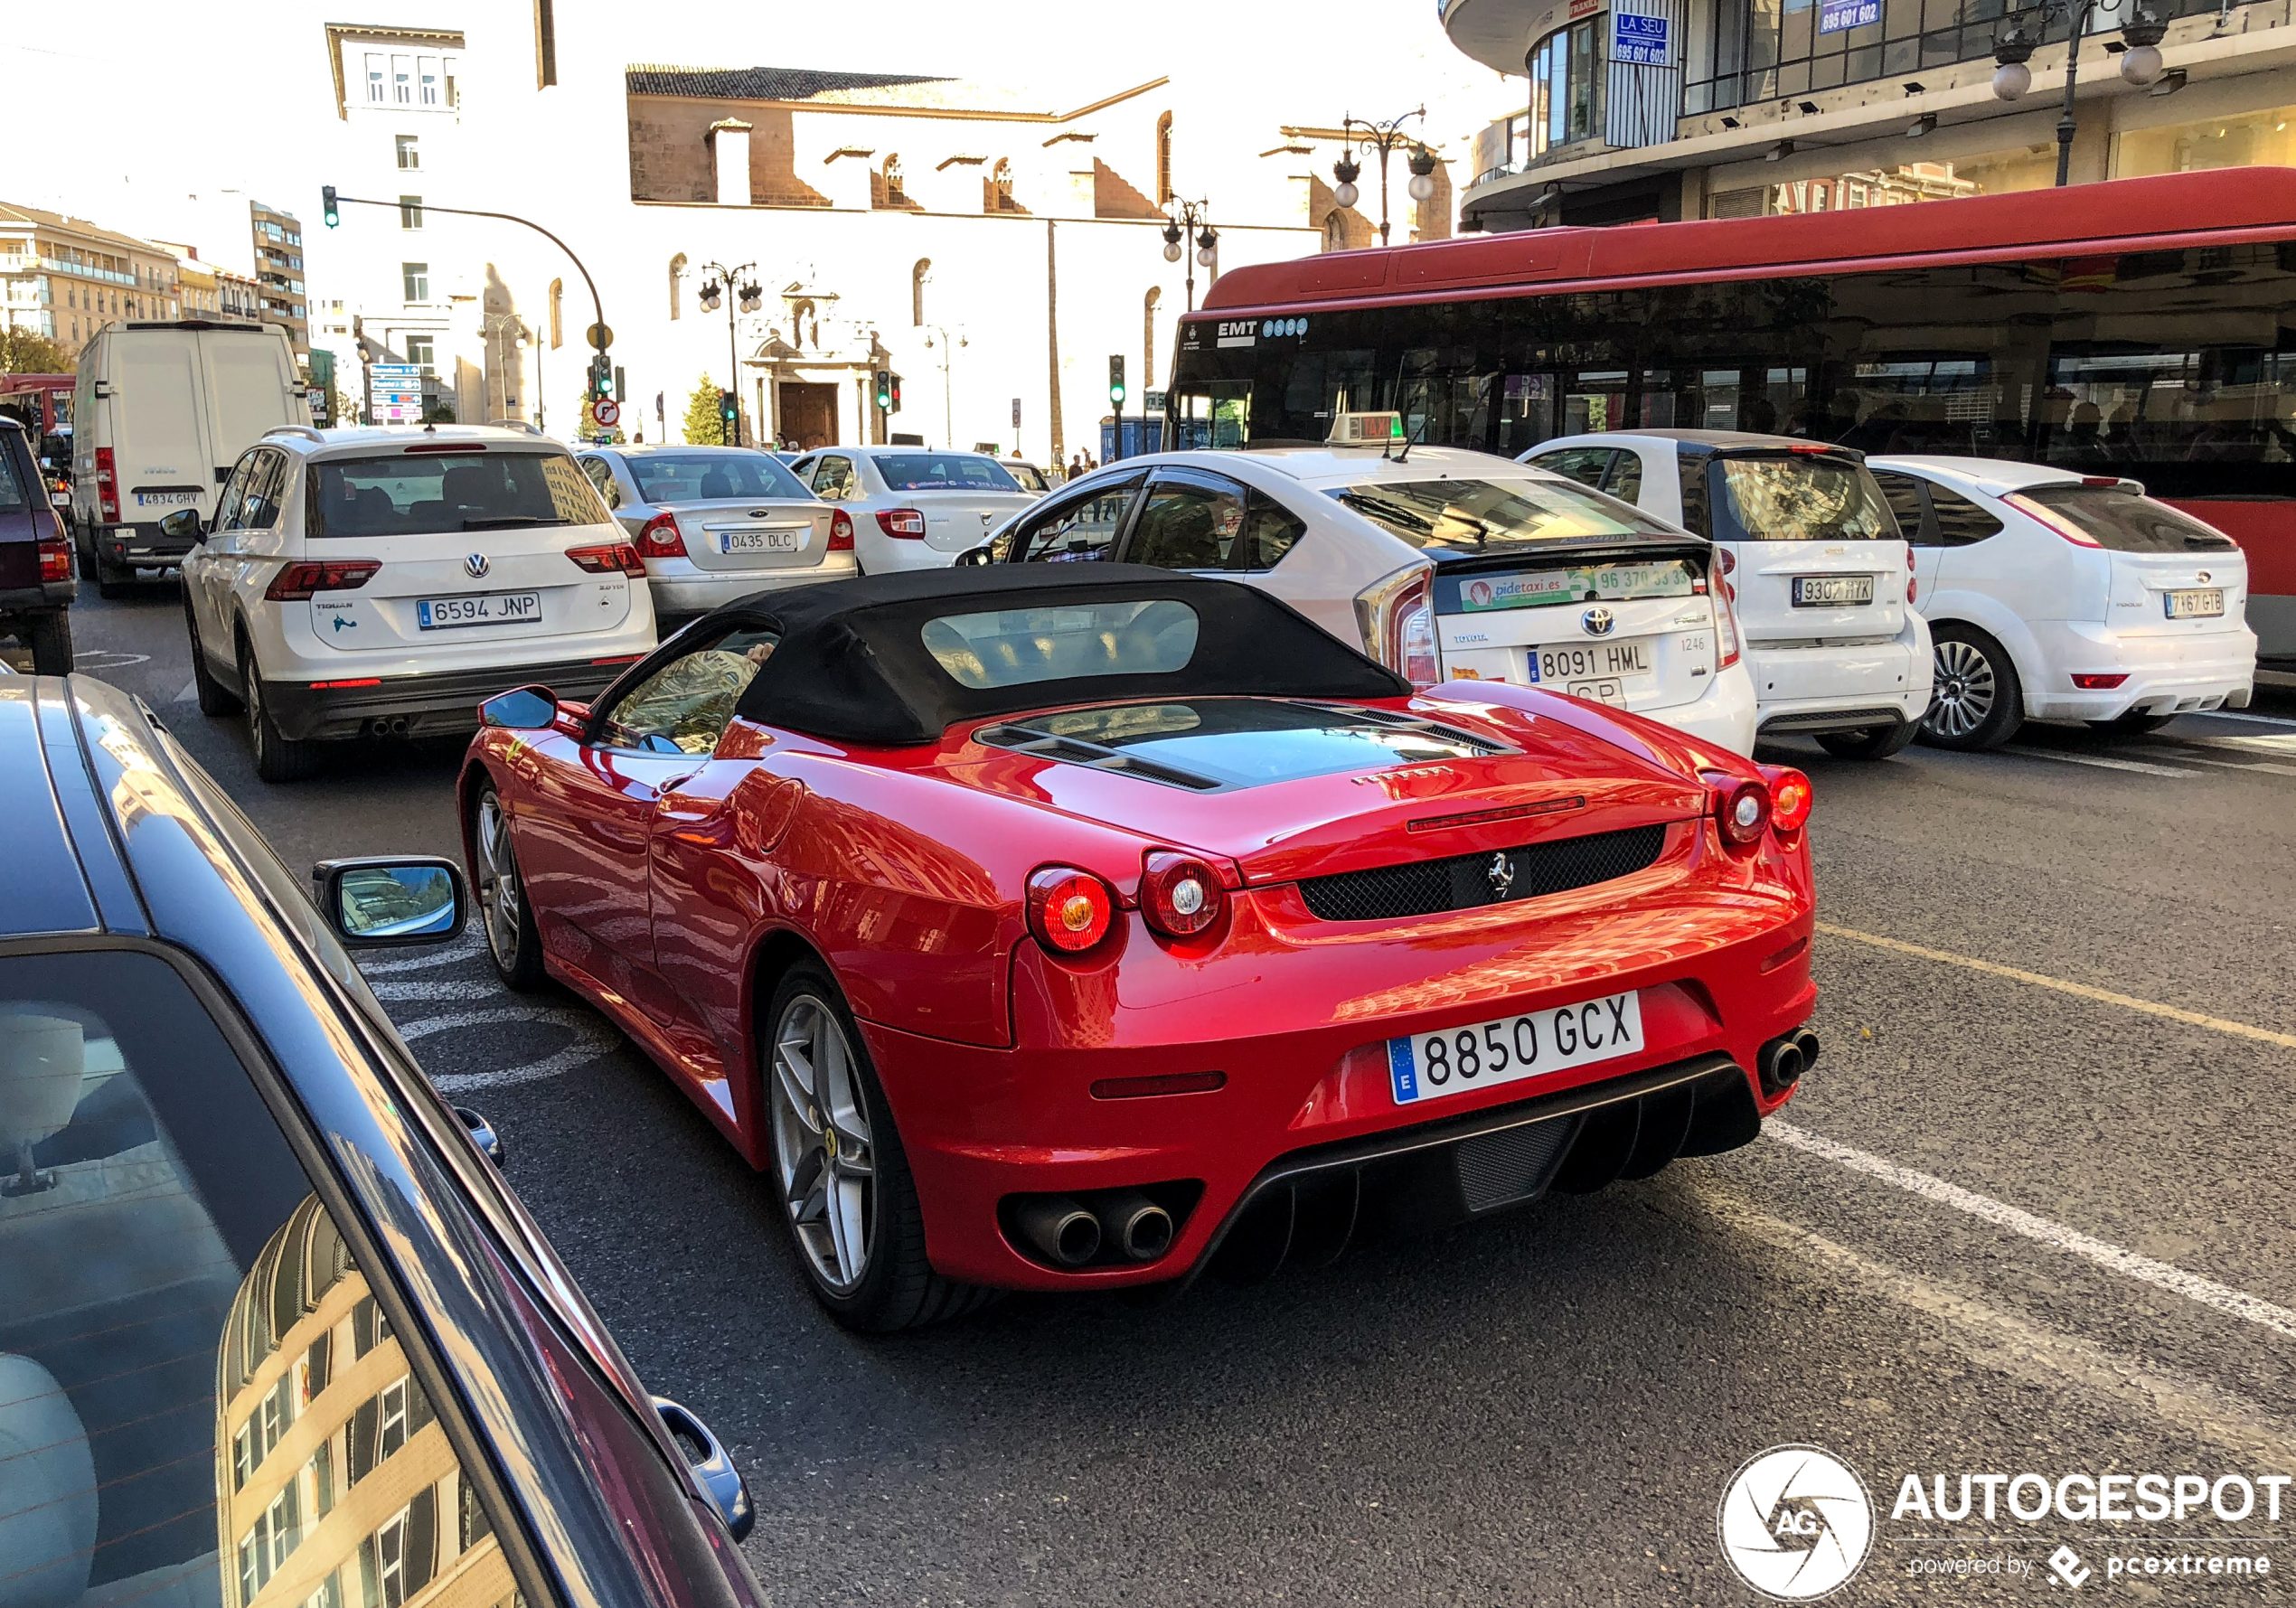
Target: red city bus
{"type": "Point", "coordinates": [2145, 327]}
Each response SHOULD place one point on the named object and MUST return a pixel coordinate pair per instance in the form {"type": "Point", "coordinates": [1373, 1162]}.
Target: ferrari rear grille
{"type": "Point", "coordinates": [1468, 880]}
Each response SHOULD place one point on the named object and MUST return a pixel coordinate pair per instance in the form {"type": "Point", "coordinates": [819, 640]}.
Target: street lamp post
{"type": "Point", "coordinates": [948, 412]}
{"type": "Point", "coordinates": [1385, 138]}
{"type": "Point", "coordinates": [727, 285]}
{"type": "Point", "coordinates": [1193, 222]}
{"type": "Point", "coordinates": [2139, 62]}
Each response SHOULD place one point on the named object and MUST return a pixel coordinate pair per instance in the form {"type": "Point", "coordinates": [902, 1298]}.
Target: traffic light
{"type": "Point", "coordinates": [896, 392]}
{"type": "Point", "coordinates": [884, 391]}
{"type": "Point", "coordinates": [602, 375]}
{"type": "Point", "coordinates": [1116, 380]}
{"type": "Point", "coordinates": [333, 213]}
{"type": "Point", "coordinates": [730, 418]}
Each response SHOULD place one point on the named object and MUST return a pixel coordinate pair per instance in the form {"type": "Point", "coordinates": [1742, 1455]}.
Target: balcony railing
{"type": "Point", "coordinates": [15, 262]}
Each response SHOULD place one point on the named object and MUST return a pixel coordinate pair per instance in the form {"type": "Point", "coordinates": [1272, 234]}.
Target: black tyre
{"type": "Point", "coordinates": [277, 757]}
{"type": "Point", "coordinates": [839, 1169]}
{"type": "Point", "coordinates": [49, 636]}
{"type": "Point", "coordinates": [513, 942]}
{"type": "Point", "coordinates": [113, 581]}
{"type": "Point", "coordinates": [1979, 702]}
{"type": "Point", "coordinates": [2133, 724]}
{"type": "Point", "coordinates": [214, 697]}
{"type": "Point", "coordinates": [1879, 743]}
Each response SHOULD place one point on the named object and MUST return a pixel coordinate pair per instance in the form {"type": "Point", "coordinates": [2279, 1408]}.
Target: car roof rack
{"type": "Point", "coordinates": [303, 430]}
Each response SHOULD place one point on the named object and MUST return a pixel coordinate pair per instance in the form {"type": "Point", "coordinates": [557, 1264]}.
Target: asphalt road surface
{"type": "Point", "coordinates": [2029, 1215]}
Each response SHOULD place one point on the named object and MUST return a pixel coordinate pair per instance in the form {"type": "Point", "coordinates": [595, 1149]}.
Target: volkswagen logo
{"type": "Point", "coordinates": [1598, 622]}
{"type": "Point", "coordinates": [1501, 874]}
{"type": "Point", "coordinates": [475, 566]}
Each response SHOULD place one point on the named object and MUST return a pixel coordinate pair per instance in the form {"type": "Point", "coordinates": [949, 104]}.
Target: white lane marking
{"type": "Point", "coordinates": [437, 988]}
{"type": "Point", "coordinates": [2220, 714]}
{"type": "Point", "coordinates": [120, 659]}
{"type": "Point", "coordinates": [2192, 1286]}
{"type": "Point", "coordinates": [462, 948]}
{"type": "Point", "coordinates": [189, 694]}
{"type": "Point", "coordinates": [2099, 761]}
{"type": "Point", "coordinates": [2266, 766]}
{"type": "Point", "coordinates": [2016, 1346]}
{"type": "Point", "coordinates": [2238, 1029]}
{"type": "Point", "coordinates": [593, 1037]}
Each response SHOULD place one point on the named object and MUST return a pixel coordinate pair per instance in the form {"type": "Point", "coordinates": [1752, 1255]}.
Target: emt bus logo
{"type": "Point", "coordinates": [1796, 1523]}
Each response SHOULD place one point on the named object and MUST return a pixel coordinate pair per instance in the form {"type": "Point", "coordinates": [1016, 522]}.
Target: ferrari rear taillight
{"type": "Point", "coordinates": [55, 558]}
{"type": "Point", "coordinates": [613, 558]}
{"type": "Point", "coordinates": [1789, 801]}
{"type": "Point", "coordinates": [661, 539]}
{"type": "Point", "coordinates": [840, 531]}
{"type": "Point", "coordinates": [107, 487]}
{"type": "Point", "coordinates": [904, 522]}
{"type": "Point", "coordinates": [299, 581]}
{"type": "Point", "coordinates": [1069, 910]}
{"type": "Point", "coordinates": [1179, 895]}
{"type": "Point", "coordinates": [1742, 812]}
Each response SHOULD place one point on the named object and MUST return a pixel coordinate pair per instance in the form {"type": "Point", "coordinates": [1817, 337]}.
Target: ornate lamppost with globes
{"type": "Point", "coordinates": [726, 281]}
{"type": "Point", "coordinates": [2140, 61]}
{"type": "Point", "coordinates": [1190, 223]}
{"type": "Point", "coordinates": [1385, 138]}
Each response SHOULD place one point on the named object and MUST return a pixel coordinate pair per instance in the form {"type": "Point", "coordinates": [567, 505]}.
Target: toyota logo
{"type": "Point", "coordinates": [1598, 622]}
{"type": "Point", "coordinates": [1501, 872]}
{"type": "Point", "coordinates": [475, 566]}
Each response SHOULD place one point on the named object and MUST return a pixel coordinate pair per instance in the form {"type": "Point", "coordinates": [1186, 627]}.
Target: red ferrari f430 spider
{"type": "Point", "coordinates": [1076, 926]}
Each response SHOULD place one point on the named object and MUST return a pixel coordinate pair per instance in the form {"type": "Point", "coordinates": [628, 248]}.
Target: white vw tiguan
{"type": "Point", "coordinates": [383, 582]}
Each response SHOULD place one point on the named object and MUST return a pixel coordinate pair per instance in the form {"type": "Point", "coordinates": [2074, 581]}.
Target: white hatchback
{"type": "Point", "coordinates": [2055, 596]}
{"type": "Point", "coordinates": [912, 507]}
{"type": "Point", "coordinates": [385, 582]}
{"type": "Point", "coordinates": [1441, 563]}
{"type": "Point", "coordinates": [1821, 576]}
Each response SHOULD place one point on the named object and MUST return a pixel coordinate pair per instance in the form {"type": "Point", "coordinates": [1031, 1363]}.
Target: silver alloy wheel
{"type": "Point", "coordinates": [826, 1162]}
{"type": "Point", "coordinates": [1966, 690]}
{"type": "Point", "coordinates": [254, 698]}
{"type": "Point", "coordinates": [498, 888]}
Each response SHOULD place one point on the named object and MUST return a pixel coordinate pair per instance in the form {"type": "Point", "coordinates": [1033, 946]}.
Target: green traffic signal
{"type": "Point", "coordinates": [333, 213]}
{"type": "Point", "coordinates": [1116, 380]}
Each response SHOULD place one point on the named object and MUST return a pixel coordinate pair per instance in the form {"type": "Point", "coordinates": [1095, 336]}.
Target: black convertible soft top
{"type": "Point", "coordinates": [852, 664]}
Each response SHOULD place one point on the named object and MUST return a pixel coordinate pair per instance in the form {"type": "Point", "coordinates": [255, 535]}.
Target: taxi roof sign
{"type": "Point", "coordinates": [1365, 430]}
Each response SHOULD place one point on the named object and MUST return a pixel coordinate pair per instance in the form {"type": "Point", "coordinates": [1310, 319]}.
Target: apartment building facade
{"type": "Point", "coordinates": [65, 277]}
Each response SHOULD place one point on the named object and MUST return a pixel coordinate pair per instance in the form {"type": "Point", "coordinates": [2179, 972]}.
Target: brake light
{"type": "Point", "coordinates": [1726, 611]}
{"type": "Point", "coordinates": [443, 447]}
{"type": "Point", "coordinates": [609, 559]}
{"type": "Point", "coordinates": [661, 539]}
{"type": "Point", "coordinates": [297, 581]}
{"type": "Point", "coordinates": [1179, 895]}
{"type": "Point", "coordinates": [107, 487]}
{"type": "Point", "coordinates": [2052, 519]}
{"type": "Point", "coordinates": [1913, 587]}
{"type": "Point", "coordinates": [55, 558]}
{"type": "Point", "coordinates": [2100, 480]}
{"type": "Point", "coordinates": [2099, 683]}
{"type": "Point", "coordinates": [1069, 910]}
{"type": "Point", "coordinates": [1741, 812]}
{"type": "Point", "coordinates": [1811, 446]}
{"type": "Point", "coordinates": [840, 531]}
{"type": "Point", "coordinates": [1790, 801]}
{"type": "Point", "coordinates": [905, 522]}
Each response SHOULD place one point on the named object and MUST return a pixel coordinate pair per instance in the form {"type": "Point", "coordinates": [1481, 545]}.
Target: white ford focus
{"type": "Point", "coordinates": [385, 582]}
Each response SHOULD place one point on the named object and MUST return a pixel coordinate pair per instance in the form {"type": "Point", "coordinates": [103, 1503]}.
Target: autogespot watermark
{"type": "Point", "coordinates": [1797, 1524]}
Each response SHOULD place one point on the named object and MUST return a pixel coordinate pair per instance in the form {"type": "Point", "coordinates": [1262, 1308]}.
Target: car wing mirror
{"type": "Point", "coordinates": [712, 1469]}
{"type": "Point", "coordinates": [184, 524]}
{"type": "Point", "coordinates": [573, 718]}
{"type": "Point", "coordinates": [386, 900]}
{"type": "Point", "coordinates": [481, 1134]}
{"type": "Point", "coordinates": [521, 708]}
{"type": "Point", "coordinates": [973, 556]}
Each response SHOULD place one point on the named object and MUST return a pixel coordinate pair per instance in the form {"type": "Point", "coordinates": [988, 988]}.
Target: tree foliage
{"type": "Point", "coordinates": [702, 427]}
{"type": "Point", "coordinates": [28, 352]}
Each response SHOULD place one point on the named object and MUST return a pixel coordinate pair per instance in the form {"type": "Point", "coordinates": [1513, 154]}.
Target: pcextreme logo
{"type": "Point", "coordinates": [1796, 1523]}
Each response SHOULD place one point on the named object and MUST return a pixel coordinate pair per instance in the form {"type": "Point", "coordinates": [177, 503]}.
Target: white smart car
{"type": "Point", "coordinates": [913, 507]}
{"type": "Point", "coordinates": [1814, 563]}
{"type": "Point", "coordinates": [383, 582]}
{"type": "Point", "coordinates": [1442, 563]}
{"type": "Point", "coordinates": [2055, 596]}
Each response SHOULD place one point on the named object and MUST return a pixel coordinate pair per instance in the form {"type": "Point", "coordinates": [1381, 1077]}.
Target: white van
{"type": "Point", "coordinates": [1812, 559]}
{"type": "Point", "coordinates": [160, 412]}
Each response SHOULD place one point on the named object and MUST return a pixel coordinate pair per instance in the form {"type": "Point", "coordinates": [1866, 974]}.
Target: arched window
{"type": "Point", "coordinates": [1148, 337]}
{"type": "Point", "coordinates": [1001, 185]}
{"type": "Point", "coordinates": [917, 275]}
{"type": "Point", "coordinates": [1163, 159]}
{"type": "Point", "coordinates": [677, 272]}
{"type": "Point", "coordinates": [558, 314]}
{"type": "Point", "coordinates": [895, 196]}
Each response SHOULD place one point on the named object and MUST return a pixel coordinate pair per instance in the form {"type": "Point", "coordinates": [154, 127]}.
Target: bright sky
{"type": "Point", "coordinates": [120, 115]}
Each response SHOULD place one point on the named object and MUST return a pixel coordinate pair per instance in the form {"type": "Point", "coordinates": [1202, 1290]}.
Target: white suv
{"type": "Point", "coordinates": [1811, 555]}
{"type": "Point", "coordinates": [383, 582]}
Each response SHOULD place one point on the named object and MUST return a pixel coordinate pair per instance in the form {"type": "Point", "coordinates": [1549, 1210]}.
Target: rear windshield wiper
{"type": "Point", "coordinates": [508, 522]}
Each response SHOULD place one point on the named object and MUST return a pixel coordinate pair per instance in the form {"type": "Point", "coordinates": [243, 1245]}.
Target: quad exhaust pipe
{"type": "Point", "coordinates": [1784, 1060]}
{"type": "Point", "coordinates": [1069, 1233]}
